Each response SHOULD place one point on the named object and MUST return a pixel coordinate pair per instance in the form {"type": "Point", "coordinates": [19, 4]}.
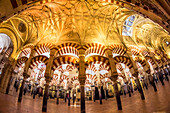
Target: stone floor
{"type": "Point", "coordinates": [155, 102]}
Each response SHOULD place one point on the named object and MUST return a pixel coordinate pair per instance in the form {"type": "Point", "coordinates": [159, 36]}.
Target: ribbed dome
{"type": "Point", "coordinates": [80, 21]}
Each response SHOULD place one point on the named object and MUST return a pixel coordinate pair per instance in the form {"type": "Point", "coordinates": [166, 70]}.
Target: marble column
{"type": "Point", "coordinates": [139, 87]}
{"type": "Point", "coordinates": [116, 90]}
{"type": "Point", "coordinates": [82, 78]}
{"type": "Point", "coordinates": [57, 95]}
{"type": "Point", "coordinates": [74, 91]}
{"type": "Point", "coordinates": [152, 82]}
{"type": "Point", "coordinates": [48, 76]}
{"type": "Point", "coordinates": [113, 77]}
{"type": "Point", "coordinates": [83, 110]}
{"type": "Point", "coordinates": [25, 76]}
{"type": "Point", "coordinates": [93, 93]}
{"type": "Point", "coordinates": [69, 90]}
{"type": "Point", "coordinates": [5, 76]}
{"type": "Point", "coordinates": [136, 75]}
{"type": "Point", "coordinates": [11, 79]}
{"type": "Point", "coordinates": [100, 94]}
{"type": "Point", "coordinates": [150, 76]}
{"type": "Point", "coordinates": [46, 93]}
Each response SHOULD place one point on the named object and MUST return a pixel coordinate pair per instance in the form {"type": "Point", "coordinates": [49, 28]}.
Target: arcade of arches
{"type": "Point", "coordinates": [83, 49]}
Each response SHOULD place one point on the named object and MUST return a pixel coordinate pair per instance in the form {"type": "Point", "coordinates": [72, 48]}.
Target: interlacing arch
{"type": "Point", "coordinates": [94, 49]}
{"type": "Point", "coordinates": [126, 61]}
{"type": "Point", "coordinates": [118, 49]}
{"type": "Point", "coordinates": [38, 59]}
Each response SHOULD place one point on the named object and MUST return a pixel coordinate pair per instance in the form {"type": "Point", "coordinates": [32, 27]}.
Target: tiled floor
{"type": "Point", "coordinates": [155, 102]}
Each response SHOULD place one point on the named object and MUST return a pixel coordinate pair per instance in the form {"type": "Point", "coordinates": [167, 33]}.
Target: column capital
{"type": "Point", "coordinates": [109, 53]}
{"type": "Point", "coordinates": [82, 52]}
{"type": "Point", "coordinates": [52, 52]}
{"type": "Point", "coordinates": [32, 52]}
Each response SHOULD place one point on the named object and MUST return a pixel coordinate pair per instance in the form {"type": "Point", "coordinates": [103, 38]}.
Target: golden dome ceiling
{"type": "Point", "coordinates": [83, 22]}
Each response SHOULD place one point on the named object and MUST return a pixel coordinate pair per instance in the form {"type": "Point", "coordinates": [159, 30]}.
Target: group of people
{"type": "Point", "coordinates": [28, 87]}
{"type": "Point", "coordinates": [160, 75]}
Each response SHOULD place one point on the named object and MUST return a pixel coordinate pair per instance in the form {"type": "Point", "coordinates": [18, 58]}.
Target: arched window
{"type": "Point", "coordinates": [127, 26]}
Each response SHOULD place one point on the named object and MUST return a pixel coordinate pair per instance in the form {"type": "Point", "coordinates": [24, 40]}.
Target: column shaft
{"type": "Point", "coordinates": [21, 91]}
{"type": "Point", "coordinates": [57, 96]}
{"type": "Point", "coordinates": [45, 98]}
{"type": "Point", "coordinates": [82, 99]}
{"type": "Point", "coordinates": [113, 77]}
{"type": "Point", "coordinates": [69, 98]}
{"type": "Point", "coordinates": [140, 88]}
{"type": "Point", "coordinates": [100, 95]}
{"type": "Point", "coordinates": [118, 100]}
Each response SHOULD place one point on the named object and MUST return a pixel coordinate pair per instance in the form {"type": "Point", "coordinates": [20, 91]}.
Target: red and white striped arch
{"type": "Point", "coordinates": [159, 61]}
{"type": "Point", "coordinates": [134, 50]}
{"type": "Point", "coordinates": [118, 49]}
{"type": "Point", "coordinates": [126, 61]}
{"type": "Point", "coordinates": [94, 49]}
{"type": "Point", "coordinates": [151, 61]}
{"type": "Point", "coordinates": [21, 60]}
{"type": "Point", "coordinates": [64, 60]}
{"type": "Point", "coordinates": [38, 59]}
{"type": "Point", "coordinates": [145, 52]}
{"type": "Point", "coordinates": [8, 52]}
{"type": "Point", "coordinates": [119, 67]}
{"type": "Point", "coordinates": [163, 57]}
{"type": "Point", "coordinates": [43, 48]}
{"type": "Point", "coordinates": [143, 63]}
{"type": "Point", "coordinates": [68, 68]}
{"type": "Point", "coordinates": [91, 69]}
{"type": "Point", "coordinates": [68, 50]}
{"type": "Point", "coordinates": [25, 53]}
{"type": "Point", "coordinates": [99, 60]}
